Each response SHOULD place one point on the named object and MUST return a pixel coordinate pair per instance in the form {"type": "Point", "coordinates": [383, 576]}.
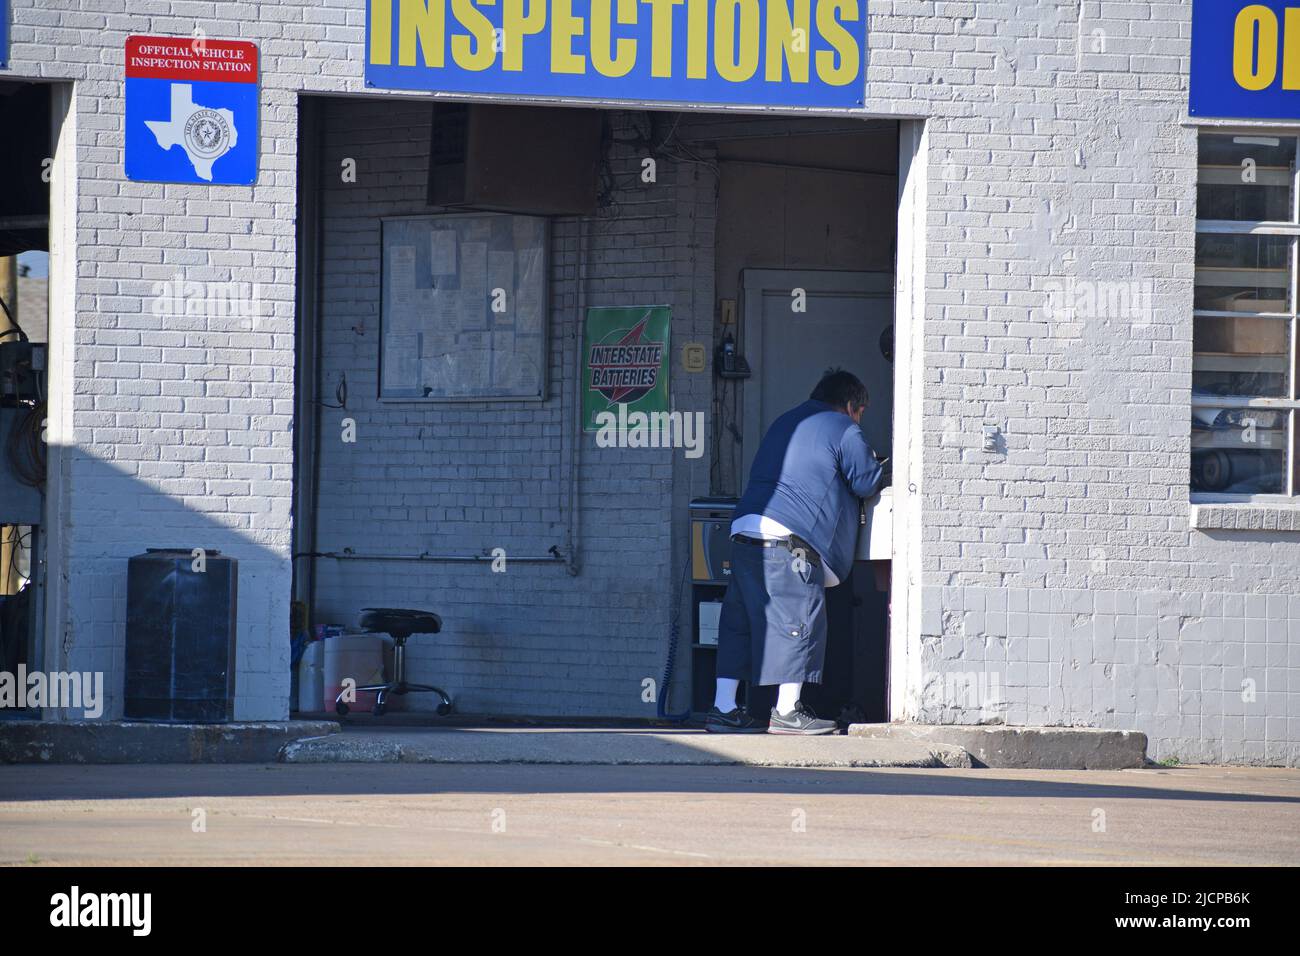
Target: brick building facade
{"type": "Point", "coordinates": [1044, 146]}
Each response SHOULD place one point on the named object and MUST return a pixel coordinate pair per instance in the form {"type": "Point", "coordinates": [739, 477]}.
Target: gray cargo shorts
{"type": "Point", "coordinates": [772, 629]}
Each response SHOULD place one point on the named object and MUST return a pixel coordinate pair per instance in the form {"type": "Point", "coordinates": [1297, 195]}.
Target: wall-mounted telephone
{"type": "Point", "coordinates": [728, 362]}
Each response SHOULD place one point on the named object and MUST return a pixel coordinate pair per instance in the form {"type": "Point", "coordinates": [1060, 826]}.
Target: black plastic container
{"type": "Point", "coordinates": [180, 637]}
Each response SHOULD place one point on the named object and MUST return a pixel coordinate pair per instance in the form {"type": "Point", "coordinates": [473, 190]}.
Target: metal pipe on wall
{"type": "Point", "coordinates": [8, 538]}
{"type": "Point", "coordinates": [575, 459]}
{"type": "Point", "coordinates": [552, 558]}
{"type": "Point", "coordinates": [307, 369]}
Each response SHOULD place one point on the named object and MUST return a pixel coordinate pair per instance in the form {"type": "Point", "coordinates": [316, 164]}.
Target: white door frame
{"type": "Point", "coordinates": [60, 445]}
{"type": "Point", "coordinates": [882, 285]}
{"type": "Point", "coordinates": [905, 666]}
{"type": "Point", "coordinates": [905, 671]}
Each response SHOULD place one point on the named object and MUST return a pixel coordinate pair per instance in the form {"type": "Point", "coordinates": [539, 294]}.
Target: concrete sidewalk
{"type": "Point", "coordinates": [483, 742]}
{"type": "Point", "coordinates": [123, 742]}
{"type": "Point", "coordinates": [552, 745]}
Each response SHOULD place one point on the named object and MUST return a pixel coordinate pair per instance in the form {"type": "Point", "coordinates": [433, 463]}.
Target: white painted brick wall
{"type": "Point", "coordinates": [1063, 575]}
{"type": "Point", "coordinates": [1049, 159]}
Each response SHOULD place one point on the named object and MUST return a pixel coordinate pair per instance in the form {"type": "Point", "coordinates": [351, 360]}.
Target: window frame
{"type": "Point", "coordinates": [1290, 404]}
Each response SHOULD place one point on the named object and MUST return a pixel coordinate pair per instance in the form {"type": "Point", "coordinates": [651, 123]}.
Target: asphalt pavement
{"type": "Point", "coordinates": [502, 814]}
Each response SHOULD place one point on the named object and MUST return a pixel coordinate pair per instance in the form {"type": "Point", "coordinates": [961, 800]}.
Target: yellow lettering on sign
{"type": "Point", "coordinates": [518, 25]}
{"type": "Point", "coordinates": [564, 27]}
{"type": "Point", "coordinates": [1244, 69]}
{"type": "Point", "coordinates": [732, 67]}
{"type": "Point", "coordinates": [621, 62]}
{"type": "Point", "coordinates": [842, 42]}
{"type": "Point", "coordinates": [480, 30]}
{"type": "Point", "coordinates": [661, 36]}
{"type": "Point", "coordinates": [381, 32]}
{"type": "Point", "coordinates": [1291, 50]}
{"type": "Point", "coordinates": [734, 40]}
{"type": "Point", "coordinates": [697, 39]}
{"type": "Point", "coordinates": [781, 39]}
{"type": "Point", "coordinates": [425, 20]}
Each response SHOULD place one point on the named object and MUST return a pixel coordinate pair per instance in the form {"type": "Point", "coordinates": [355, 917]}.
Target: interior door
{"type": "Point", "coordinates": [847, 322]}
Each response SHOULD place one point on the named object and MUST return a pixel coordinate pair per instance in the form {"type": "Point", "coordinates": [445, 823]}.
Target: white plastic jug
{"type": "Point", "coordinates": [311, 678]}
{"type": "Point", "coordinates": [358, 656]}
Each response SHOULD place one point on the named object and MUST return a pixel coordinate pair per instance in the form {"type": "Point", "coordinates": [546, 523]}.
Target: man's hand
{"type": "Point", "coordinates": [886, 471]}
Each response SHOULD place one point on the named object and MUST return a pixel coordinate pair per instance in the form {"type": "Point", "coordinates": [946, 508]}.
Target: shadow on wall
{"type": "Point", "coordinates": [217, 497]}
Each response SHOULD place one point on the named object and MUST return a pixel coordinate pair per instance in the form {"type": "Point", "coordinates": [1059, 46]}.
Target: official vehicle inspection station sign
{"type": "Point", "coordinates": [755, 52]}
{"type": "Point", "coordinates": [624, 361]}
{"type": "Point", "coordinates": [1245, 59]}
{"type": "Point", "coordinates": [191, 110]}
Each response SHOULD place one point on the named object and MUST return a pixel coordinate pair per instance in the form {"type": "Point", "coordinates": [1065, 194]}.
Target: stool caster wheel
{"type": "Point", "coordinates": [379, 709]}
{"type": "Point", "coordinates": [444, 710]}
{"type": "Point", "coordinates": [341, 709]}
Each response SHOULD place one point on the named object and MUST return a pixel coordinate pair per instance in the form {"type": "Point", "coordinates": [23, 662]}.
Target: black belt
{"type": "Point", "coordinates": [792, 544]}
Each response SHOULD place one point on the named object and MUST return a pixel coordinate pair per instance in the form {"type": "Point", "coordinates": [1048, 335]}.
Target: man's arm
{"type": "Point", "coordinates": [858, 464]}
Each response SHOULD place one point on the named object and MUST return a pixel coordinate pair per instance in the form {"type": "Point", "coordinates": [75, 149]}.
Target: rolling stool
{"type": "Point", "coordinates": [398, 624]}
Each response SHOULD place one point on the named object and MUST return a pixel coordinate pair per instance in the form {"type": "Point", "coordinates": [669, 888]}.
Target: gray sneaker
{"type": "Point", "coordinates": [736, 721]}
{"type": "Point", "coordinates": [800, 722]}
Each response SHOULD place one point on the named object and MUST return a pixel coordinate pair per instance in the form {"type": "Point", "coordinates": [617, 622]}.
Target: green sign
{"type": "Point", "coordinates": [624, 362]}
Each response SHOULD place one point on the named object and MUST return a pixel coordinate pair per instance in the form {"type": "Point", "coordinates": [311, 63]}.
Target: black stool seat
{"type": "Point", "coordinates": [399, 622]}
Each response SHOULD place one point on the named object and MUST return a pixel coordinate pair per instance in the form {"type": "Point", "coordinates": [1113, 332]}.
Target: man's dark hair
{"type": "Point", "coordinates": [840, 388]}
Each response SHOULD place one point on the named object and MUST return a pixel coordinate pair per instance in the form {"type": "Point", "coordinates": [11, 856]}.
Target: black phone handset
{"type": "Point", "coordinates": [728, 362]}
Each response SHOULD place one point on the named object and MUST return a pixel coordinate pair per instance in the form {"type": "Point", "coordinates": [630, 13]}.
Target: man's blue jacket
{"type": "Point", "coordinates": [810, 471]}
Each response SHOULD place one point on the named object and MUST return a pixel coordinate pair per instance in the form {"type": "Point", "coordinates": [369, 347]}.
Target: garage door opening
{"type": "Point", "coordinates": [438, 438]}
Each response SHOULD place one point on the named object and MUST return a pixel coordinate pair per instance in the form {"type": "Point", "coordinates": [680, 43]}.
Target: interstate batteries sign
{"type": "Point", "coordinates": [1245, 59]}
{"type": "Point", "coordinates": [624, 361]}
{"type": "Point", "coordinates": [755, 52]}
{"type": "Point", "coordinates": [191, 110]}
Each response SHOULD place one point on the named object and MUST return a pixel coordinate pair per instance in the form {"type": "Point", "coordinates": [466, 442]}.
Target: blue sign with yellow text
{"type": "Point", "coordinates": [752, 52]}
{"type": "Point", "coordinates": [1245, 59]}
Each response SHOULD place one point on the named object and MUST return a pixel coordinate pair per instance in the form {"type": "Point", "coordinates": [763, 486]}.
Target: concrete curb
{"type": "Point", "coordinates": [1031, 748]}
{"type": "Point", "coordinates": [320, 741]}
{"type": "Point", "coordinates": [101, 742]}
{"type": "Point", "coordinates": [620, 748]}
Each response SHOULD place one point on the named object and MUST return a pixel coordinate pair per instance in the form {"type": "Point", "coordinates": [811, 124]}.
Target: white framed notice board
{"type": "Point", "coordinates": [463, 304]}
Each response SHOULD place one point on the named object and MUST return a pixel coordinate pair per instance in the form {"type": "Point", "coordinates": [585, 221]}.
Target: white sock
{"type": "Point", "coordinates": [787, 697]}
{"type": "Point", "coordinates": [725, 698]}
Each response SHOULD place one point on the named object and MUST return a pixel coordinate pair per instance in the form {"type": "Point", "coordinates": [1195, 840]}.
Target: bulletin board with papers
{"type": "Point", "coordinates": [463, 308]}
